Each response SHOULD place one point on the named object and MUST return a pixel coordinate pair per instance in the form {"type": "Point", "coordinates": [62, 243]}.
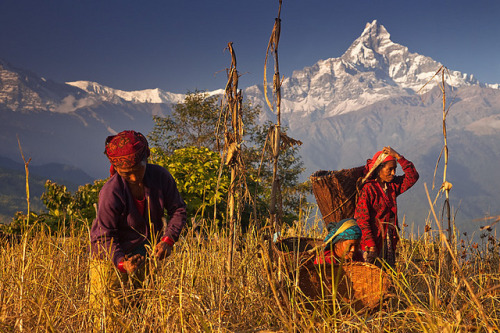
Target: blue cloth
{"type": "Point", "coordinates": [353, 232]}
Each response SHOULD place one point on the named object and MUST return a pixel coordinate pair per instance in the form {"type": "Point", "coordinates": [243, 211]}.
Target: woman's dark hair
{"type": "Point", "coordinates": [377, 169]}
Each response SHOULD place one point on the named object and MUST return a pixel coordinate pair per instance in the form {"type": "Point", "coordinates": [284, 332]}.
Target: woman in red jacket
{"type": "Point", "coordinates": [376, 210]}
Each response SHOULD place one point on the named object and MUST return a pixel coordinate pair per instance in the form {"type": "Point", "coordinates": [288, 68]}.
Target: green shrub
{"type": "Point", "coordinates": [196, 172]}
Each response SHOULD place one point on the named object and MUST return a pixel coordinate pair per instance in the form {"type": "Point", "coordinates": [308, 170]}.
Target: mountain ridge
{"type": "Point", "coordinates": [343, 109]}
{"type": "Point", "coordinates": [373, 68]}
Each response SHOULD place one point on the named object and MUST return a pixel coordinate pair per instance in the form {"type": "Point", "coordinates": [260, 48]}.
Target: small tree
{"type": "Point", "coordinates": [61, 203]}
{"type": "Point", "coordinates": [181, 130]}
{"type": "Point", "coordinates": [196, 171]}
{"type": "Point", "coordinates": [290, 166]}
{"type": "Point", "coordinates": [192, 123]}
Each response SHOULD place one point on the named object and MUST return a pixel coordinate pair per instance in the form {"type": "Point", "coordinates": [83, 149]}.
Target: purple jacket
{"type": "Point", "coordinates": [119, 227]}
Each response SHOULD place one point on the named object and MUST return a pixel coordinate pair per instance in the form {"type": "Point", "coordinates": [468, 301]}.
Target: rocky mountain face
{"type": "Point", "coordinates": [23, 91]}
{"type": "Point", "coordinates": [68, 123]}
{"type": "Point", "coordinates": [343, 109]}
{"type": "Point", "coordinates": [373, 69]}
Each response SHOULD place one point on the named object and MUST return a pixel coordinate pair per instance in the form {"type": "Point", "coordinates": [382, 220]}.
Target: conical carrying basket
{"type": "Point", "coordinates": [335, 193]}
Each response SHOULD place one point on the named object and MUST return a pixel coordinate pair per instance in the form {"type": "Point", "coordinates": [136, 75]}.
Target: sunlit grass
{"type": "Point", "coordinates": [191, 291]}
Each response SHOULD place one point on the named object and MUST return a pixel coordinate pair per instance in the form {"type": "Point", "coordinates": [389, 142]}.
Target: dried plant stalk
{"type": "Point", "coordinates": [233, 138]}
{"type": "Point", "coordinates": [275, 133]}
{"type": "Point", "coordinates": [25, 239]}
{"type": "Point", "coordinates": [445, 186]}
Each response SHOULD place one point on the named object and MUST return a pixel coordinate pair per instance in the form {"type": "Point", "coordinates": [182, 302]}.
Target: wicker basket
{"type": "Point", "coordinates": [361, 285]}
{"type": "Point", "coordinates": [296, 251]}
{"type": "Point", "coordinates": [335, 193]}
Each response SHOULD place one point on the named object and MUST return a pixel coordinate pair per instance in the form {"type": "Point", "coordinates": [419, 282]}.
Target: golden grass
{"type": "Point", "coordinates": [192, 291]}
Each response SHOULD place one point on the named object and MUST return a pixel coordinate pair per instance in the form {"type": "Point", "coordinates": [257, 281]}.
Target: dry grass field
{"type": "Point", "coordinates": [44, 288]}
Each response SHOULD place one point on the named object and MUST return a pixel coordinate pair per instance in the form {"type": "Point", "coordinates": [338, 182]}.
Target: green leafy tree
{"type": "Point", "coordinates": [196, 172]}
{"type": "Point", "coordinates": [80, 206]}
{"type": "Point", "coordinates": [290, 166]}
{"type": "Point", "coordinates": [194, 123]}
{"type": "Point", "coordinates": [58, 200]}
{"type": "Point", "coordinates": [86, 199]}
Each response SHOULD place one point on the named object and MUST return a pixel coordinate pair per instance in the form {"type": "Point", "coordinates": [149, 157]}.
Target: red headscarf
{"type": "Point", "coordinates": [372, 164]}
{"type": "Point", "coordinates": [384, 158]}
{"type": "Point", "coordinates": [126, 149]}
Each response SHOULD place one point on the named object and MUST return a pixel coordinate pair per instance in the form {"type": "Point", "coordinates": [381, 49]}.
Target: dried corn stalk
{"type": "Point", "coordinates": [445, 186]}
{"type": "Point", "coordinates": [233, 136]}
{"type": "Point", "coordinates": [277, 139]}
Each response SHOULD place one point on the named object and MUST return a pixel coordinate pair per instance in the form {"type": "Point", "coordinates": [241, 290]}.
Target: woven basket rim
{"type": "Point", "coordinates": [333, 172]}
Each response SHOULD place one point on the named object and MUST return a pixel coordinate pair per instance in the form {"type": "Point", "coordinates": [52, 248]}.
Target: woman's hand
{"type": "Point", "coordinates": [389, 151]}
{"type": "Point", "coordinates": [131, 264]}
{"type": "Point", "coordinates": [162, 250]}
{"type": "Point", "coordinates": [370, 255]}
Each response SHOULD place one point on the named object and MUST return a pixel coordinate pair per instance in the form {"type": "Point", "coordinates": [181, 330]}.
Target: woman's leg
{"type": "Point", "coordinates": [106, 293]}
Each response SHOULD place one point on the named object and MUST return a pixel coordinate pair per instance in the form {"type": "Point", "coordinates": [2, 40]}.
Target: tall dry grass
{"type": "Point", "coordinates": [192, 290]}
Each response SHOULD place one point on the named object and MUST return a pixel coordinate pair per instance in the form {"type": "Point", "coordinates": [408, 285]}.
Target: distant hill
{"type": "Point", "coordinates": [13, 185]}
{"type": "Point", "coordinates": [70, 176]}
{"type": "Point", "coordinates": [13, 193]}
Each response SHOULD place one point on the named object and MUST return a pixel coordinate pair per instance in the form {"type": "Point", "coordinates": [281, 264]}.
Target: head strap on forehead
{"type": "Point", "coordinates": [126, 149]}
{"type": "Point", "coordinates": [372, 164]}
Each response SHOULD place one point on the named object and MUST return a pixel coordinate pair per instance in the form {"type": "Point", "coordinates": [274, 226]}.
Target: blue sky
{"type": "Point", "coordinates": [178, 46]}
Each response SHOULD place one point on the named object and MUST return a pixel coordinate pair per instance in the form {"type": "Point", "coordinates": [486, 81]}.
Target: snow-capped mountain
{"type": "Point", "coordinates": [23, 91]}
{"type": "Point", "coordinates": [141, 96]}
{"type": "Point", "coordinates": [377, 94]}
{"type": "Point", "coordinates": [67, 123]}
{"type": "Point", "coordinates": [372, 69]}
{"type": "Point", "coordinates": [343, 109]}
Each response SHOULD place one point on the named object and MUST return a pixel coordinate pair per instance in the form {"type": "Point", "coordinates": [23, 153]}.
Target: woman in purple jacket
{"type": "Point", "coordinates": [130, 215]}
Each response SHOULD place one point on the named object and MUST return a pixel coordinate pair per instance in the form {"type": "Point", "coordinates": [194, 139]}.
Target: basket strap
{"type": "Point", "coordinates": [336, 209]}
{"type": "Point", "coordinates": [378, 161]}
